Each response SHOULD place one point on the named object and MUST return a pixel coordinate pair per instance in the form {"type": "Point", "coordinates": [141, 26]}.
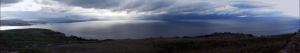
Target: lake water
{"type": "Point", "coordinates": [135, 29]}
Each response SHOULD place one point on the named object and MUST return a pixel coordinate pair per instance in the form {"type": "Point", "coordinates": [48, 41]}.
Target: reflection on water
{"type": "Point", "coordinates": [149, 28]}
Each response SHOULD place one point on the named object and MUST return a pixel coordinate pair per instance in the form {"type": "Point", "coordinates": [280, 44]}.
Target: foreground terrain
{"type": "Point", "coordinates": [47, 41]}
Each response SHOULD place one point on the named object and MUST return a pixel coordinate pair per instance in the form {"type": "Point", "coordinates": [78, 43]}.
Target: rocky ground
{"type": "Point", "coordinates": [294, 45]}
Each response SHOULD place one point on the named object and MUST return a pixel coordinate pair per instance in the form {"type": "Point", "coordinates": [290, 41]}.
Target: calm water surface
{"type": "Point", "coordinates": [151, 28]}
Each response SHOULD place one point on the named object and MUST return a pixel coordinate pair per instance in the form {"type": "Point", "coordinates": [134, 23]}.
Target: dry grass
{"type": "Point", "coordinates": [272, 44]}
{"type": "Point", "coordinates": [131, 46]}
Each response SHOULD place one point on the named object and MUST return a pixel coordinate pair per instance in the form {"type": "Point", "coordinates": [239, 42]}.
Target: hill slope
{"type": "Point", "coordinates": [214, 43]}
{"type": "Point", "coordinates": [38, 40]}
{"type": "Point", "coordinates": [32, 40]}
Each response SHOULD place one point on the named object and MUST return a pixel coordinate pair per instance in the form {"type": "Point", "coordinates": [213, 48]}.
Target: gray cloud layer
{"type": "Point", "coordinates": [5, 3]}
{"type": "Point", "coordinates": [121, 5]}
{"type": "Point", "coordinates": [135, 9]}
{"type": "Point", "coordinates": [92, 3]}
{"type": "Point", "coordinates": [169, 6]}
{"type": "Point", "coordinates": [9, 1]}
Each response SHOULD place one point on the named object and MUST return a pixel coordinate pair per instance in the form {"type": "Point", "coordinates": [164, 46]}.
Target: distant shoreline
{"type": "Point", "coordinates": [195, 36]}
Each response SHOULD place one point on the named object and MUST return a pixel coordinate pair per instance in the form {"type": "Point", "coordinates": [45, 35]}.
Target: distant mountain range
{"type": "Point", "coordinates": [14, 23]}
{"type": "Point", "coordinates": [26, 23]}
{"type": "Point", "coordinates": [72, 21]}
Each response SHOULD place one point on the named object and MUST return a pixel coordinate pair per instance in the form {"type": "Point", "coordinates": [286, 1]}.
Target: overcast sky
{"type": "Point", "coordinates": [33, 10]}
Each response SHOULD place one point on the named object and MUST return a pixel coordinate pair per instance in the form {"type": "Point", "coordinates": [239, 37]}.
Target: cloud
{"type": "Point", "coordinates": [92, 3]}
{"type": "Point", "coordinates": [148, 9]}
{"type": "Point", "coordinates": [119, 5]}
{"type": "Point", "coordinates": [6, 3]}
{"type": "Point", "coordinates": [25, 5]}
{"type": "Point", "coordinates": [202, 7]}
{"type": "Point", "coordinates": [9, 1]}
{"type": "Point", "coordinates": [287, 7]}
{"type": "Point", "coordinates": [247, 6]}
{"type": "Point", "coordinates": [243, 16]}
{"type": "Point", "coordinates": [30, 15]}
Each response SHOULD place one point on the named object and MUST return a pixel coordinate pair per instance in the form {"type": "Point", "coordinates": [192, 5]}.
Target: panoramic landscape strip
{"type": "Point", "coordinates": [47, 41]}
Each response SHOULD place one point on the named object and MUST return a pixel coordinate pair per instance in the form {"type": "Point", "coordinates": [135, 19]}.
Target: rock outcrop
{"type": "Point", "coordinates": [293, 46]}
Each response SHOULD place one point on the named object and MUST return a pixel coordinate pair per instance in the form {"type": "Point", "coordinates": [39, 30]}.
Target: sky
{"type": "Point", "coordinates": [59, 10]}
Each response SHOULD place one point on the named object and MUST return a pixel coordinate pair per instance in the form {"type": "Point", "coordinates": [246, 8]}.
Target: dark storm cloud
{"type": "Point", "coordinates": [176, 10]}
{"type": "Point", "coordinates": [189, 17]}
{"type": "Point", "coordinates": [146, 5]}
{"type": "Point", "coordinates": [247, 6]}
{"type": "Point", "coordinates": [141, 9]}
{"type": "Point", "coordinates": [9, 1]}
{"type": "Point", "coordinates": [149, 6]}
{"type": "Point", "coordinates": [102, 4]}
{"type": "Point", "coordinates": [191, 8]}
{"type": "Point", "coordinates": [6, 3]}
{"type": "Point", "coordinates": [119, 5]}
{"type": "Point", "coordinates": [193, 16]}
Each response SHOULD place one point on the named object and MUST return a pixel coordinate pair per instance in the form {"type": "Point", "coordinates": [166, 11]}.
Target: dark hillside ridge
{"type": "Point", "coordinates": [227, 35]}
{"type": "Point", "coordinates": [30, 39]}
